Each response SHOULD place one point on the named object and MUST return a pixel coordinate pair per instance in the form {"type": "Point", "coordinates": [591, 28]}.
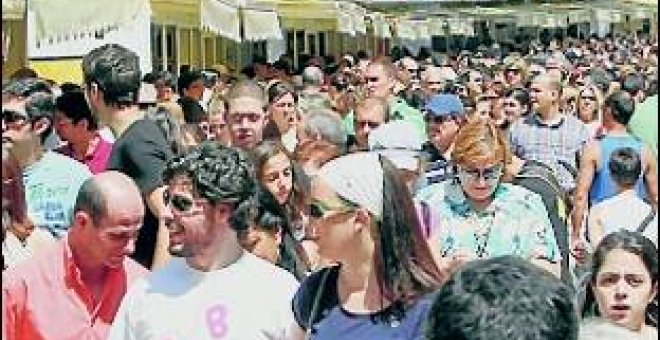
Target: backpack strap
{"type": "Point", "coordinates": [426, 218]}
{"type": "Point", "coordinates": [317, 302]}
{"type": "Point", "coordinates": [646, 221]}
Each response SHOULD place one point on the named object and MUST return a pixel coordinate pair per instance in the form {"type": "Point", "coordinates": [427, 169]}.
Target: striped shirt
{"type": "Point", "coordinates": [552, 144]}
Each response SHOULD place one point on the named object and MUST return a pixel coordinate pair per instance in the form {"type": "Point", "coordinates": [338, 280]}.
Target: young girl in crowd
{"type": "Point", "coordinates": [624, 282]}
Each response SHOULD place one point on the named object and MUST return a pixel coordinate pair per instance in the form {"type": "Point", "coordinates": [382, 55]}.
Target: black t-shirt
{"type": "Point", "coordinates": [141, 153]}
{"type": "Point", "coordinates": [193, 113]}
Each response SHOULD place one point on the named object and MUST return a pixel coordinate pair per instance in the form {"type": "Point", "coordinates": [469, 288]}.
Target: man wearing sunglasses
{"type": "Point", "coordinates": [112, 81]}
{"type": "Point", "coordinates": [51, 180]}
{"type": "Point", "coordinates": [216, 289]}
{"type": "Point", "coordinates": [445, 115]}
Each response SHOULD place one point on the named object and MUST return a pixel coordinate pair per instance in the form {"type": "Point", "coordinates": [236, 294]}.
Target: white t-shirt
{"type": "Point", "coordinates": [624, 211]}
{"type": "Point", "coordinates": [248, 300]}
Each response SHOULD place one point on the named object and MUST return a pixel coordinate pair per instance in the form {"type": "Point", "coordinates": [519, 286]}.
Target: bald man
{"type": "Point", "coordinates": [547, 135]}
{"type": "Point", "coordinates": [73, 290]}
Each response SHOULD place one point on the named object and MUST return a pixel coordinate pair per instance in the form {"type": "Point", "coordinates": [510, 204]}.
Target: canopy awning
{"type": "Point", "coordinates": [55, 19]}
{"type": "Point", "coordinates": [218, 16]}
{"type": "Point", "coordinates": [380, 25]}
{"type": "Point", "coordinates": [261, 24]}
{"type": "Point", "coordinates": [405, 29]}
{"type": "Point", "coordinates": [221, 17]}
{"type": "Point", "coordinates": [314, 15]}
{"type": "Point", "coordinates": [13, 9]}
{"type": "Point", "coordinates": [356, 15]}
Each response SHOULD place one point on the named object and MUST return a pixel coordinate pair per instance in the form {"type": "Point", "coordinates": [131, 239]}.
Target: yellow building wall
{"type": "Point", "coordinates": [59, 70]}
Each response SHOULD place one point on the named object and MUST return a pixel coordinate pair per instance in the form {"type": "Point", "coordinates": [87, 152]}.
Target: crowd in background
{"type": "Point", "coordinates": [497, 193]}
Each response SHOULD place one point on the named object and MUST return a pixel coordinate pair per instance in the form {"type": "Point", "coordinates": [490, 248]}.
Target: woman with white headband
{"type": "Point", "coordinates": [364, 220]}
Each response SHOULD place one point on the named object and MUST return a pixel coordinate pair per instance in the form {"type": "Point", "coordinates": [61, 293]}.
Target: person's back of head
{"type": "Point", "coordinates": [24, 72]}
{"type": "Point", "coordinates": [621, 106]}
{"type": "Point", "coordinates": [74, 106]}
{"type": "Point", "coordinates": [312, 76]}
{"type": "Point", "coordinates": [325, 125]}
{"type": "Point", "coordinates": [505, 297]}
{"type": "Point", "coordinates": [115, 71]}
{"type": "Point", "coordinates": [625, 166]}
{"type": "Point", "coordinates": [633, 84]}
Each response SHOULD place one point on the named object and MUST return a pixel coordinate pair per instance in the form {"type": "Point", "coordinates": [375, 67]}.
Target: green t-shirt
{"type": "Point", "coordinates": [399, 110]}
{"type": "Point", "coordinates": [644, 123]}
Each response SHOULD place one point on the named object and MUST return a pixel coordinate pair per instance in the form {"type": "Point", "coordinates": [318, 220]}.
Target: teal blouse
{"type": "Point", "coordinates": [515, 223]}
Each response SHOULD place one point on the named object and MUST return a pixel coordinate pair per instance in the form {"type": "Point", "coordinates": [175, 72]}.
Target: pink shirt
{"type": "Point", "coordinates": [96, 158]}
{"type": "Point", "coordinates": [45, 298]}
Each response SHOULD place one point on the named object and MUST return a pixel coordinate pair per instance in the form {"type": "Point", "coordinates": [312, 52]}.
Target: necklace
{"type": "Point", "coordinates": [482, 235]}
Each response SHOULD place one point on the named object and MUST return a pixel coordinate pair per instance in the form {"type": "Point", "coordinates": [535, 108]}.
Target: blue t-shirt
{"type": "Point", "coordinates": [334, 322]}
{"type": "Point", "coordinates": [603, 186]}
{"type": "Point", "coordinates": [51, 187]}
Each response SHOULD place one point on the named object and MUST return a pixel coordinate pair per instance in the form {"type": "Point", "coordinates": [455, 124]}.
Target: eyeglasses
{"type": "Point", "coordinates": [318, 210]}
{"type": "Point", "coordinates": [490, 174]}
{"type": "Point", "coordinates": [371, 79]}
{"type": "Point", "coordinates": [590, 98]}
{"type": "Point", "coordinates": [361, 124]}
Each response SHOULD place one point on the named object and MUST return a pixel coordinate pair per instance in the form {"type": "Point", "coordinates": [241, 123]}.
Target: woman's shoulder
{"type": "Point", "coordinates": [512, 193]}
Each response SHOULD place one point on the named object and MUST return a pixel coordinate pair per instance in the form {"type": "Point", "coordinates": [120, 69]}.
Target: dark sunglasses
{"type": "Point", "coordinates": [371, 79]}
{"type": "Point", "coordinates": [490, 174]}
{"type": "Point", "coordinates": [317, 210]}
{"type": "Point", "coordinates": [178, 202]}
{"type": "Point", "coordinates": [13, 116]}
{"type": "Point", "coordinates": [362, 124]}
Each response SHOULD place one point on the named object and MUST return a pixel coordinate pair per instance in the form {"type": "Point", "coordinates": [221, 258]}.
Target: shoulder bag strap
{"type": "Point", "coordinates": [646, 221]}
{"type": "Point", "coordinates": [317, 303]}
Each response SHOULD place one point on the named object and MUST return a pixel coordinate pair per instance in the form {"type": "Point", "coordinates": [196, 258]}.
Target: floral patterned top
{"type": "Point", "coordinates": [515, 223]}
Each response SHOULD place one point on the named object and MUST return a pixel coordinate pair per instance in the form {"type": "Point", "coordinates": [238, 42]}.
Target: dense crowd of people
{"type": "Point", "coordinates": [498, 193]}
